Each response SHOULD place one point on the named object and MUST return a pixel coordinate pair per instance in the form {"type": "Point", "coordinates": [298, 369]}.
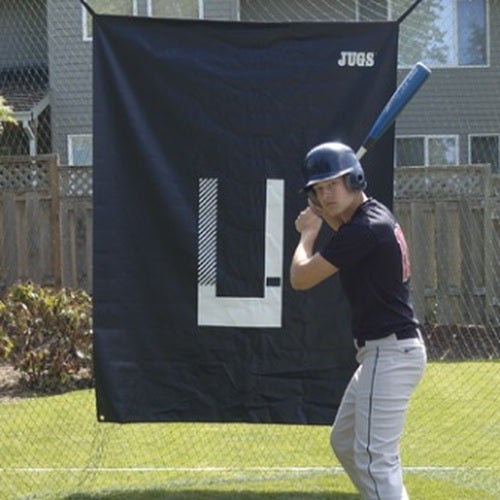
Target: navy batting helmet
{"type": "Point", "coordinates": [331, 160]}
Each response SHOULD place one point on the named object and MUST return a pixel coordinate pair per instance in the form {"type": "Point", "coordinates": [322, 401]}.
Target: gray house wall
{"type": "Point", "coordinates": [23, 42]}
{"type": "Point", "coordinates": [461, 101]}
{"type": "Point", "coordinates": [70, 70]}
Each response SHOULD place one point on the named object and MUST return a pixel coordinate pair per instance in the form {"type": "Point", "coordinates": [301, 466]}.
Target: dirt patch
{"type": "Point", "coordinates": [11, 388]}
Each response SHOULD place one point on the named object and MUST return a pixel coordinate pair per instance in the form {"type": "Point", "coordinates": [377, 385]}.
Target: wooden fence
{"type": "Point", "coordinates": [45, 222]}
{"type": "Point", "coordinates": [451, 216]}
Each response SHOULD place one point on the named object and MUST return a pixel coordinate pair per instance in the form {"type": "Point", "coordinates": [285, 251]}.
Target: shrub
{"type": "Point", "coordinates": [46, 334]}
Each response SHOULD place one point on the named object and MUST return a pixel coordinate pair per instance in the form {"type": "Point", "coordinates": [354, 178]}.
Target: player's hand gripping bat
{"type": "Point", "coordinates": [401, 97]}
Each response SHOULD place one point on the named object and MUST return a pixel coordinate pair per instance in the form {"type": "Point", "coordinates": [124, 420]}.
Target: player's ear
{"type": "Point", "coordinates": [315, 205]}
{"type": "Point", "coordinates": [312, 198]}
{"type": "Point", "coordinates": [347, 182]}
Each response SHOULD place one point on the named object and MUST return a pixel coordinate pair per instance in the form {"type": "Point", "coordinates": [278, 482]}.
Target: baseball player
{"type": "Point", "coordinates": [367, 249]}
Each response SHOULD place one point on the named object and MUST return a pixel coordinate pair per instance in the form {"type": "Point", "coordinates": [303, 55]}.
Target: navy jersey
{"type": "Point", "coordinates": [371, 254]}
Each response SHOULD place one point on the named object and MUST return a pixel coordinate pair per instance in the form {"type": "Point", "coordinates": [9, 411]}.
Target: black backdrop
{"type": "Point", "coordinates": [200, 128]}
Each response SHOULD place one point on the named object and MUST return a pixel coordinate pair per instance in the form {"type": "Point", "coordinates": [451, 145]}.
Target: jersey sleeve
{"type": "Point", "coordinates": [348, 246]}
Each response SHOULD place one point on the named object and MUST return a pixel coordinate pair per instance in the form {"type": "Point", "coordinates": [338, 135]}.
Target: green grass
{"type": "Point", "coordinates": [54, 445]}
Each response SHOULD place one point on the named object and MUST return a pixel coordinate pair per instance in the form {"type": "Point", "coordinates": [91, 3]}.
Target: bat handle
{"type": "Point", "coordinates": [361, 152]}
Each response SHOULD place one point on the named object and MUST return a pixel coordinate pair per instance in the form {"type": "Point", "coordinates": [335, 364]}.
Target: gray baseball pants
{"type": "Point", "coordinates": [369, 423]}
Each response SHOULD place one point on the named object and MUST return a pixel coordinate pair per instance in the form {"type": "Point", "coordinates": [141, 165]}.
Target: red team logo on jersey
{"type": "Point", "coordinates": [405, 257]}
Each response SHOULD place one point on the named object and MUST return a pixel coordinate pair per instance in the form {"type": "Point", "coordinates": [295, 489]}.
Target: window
{"type": "Point", "coordinates": [449, 33]}
{"type": "Point", "coordinates": [117, 7]}
{"type": "Point", "coordinates": [80, 149]}
{"type": "Point", "coordinates": [175, 8]}
{"type": "Point", "coordinates": [485, 149]}
{"type": "Point", "coordinates": [409, 151]}
{"type": "Point", "coordinates": [471, 28]}
{"type": "Point", "coordinates": [443, 33]}
{"type": "Point", "coordinates": [426, 150]}
{"type": "Point", "coordinates": [442, 150]}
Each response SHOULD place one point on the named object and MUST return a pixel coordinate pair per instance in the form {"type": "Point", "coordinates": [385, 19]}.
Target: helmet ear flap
{"type": "Point", "coordinates": [355, 180]}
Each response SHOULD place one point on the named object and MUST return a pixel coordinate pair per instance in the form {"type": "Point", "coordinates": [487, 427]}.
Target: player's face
{"type": "Point", "coordinates": [334, 196]}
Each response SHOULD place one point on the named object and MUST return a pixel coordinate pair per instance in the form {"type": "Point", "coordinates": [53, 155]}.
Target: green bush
{"type": "Point", "coordinates": [46, 335]}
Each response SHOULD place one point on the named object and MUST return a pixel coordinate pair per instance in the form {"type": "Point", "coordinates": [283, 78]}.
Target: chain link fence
{"type": "Point", "coordinates": [54, 446]}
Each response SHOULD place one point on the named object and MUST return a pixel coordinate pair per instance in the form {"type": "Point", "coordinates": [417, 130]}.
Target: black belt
{"type": "Point", "coordinates": [414, 334]}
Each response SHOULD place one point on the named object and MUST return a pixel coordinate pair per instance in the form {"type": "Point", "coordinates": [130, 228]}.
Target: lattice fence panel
{"type": "Point", "coordinates": [17, 175]}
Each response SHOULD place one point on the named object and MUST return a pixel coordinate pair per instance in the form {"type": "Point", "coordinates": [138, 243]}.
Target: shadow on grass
{"type": "Point", "coordinates": [159, 494]}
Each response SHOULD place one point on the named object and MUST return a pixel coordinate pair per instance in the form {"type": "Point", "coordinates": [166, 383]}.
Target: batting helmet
{"type": "Point", "coordinates": [331, 160]}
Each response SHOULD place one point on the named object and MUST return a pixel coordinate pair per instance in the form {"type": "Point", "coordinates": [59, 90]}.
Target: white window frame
{"type": "Point", "coordinates": [86, 37]}
{"type": "Point", "coordinates": [426, 139]}
{"type": "Point", "coordinates": [70, 139]}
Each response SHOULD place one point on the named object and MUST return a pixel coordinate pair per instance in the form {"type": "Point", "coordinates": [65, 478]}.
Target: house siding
{"type": "Point", "coordinates": [23, 39]}
{"type": "Point", "coordinates": [70, 69]}
{"type": "Point", "coordinates": [460, 101]}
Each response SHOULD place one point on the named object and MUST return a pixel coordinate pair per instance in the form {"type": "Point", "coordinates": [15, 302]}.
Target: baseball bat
{"type": "Point", "coordinates": [401, 97]}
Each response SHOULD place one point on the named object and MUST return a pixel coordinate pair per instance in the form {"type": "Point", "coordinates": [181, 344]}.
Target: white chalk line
{"type": "Point", "coordinates": [334, 470]}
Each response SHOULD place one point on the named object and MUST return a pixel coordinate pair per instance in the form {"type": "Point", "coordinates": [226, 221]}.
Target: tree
{"type": "Point", "coordinates": [423, 34]}
{"type": "Point", "coordinates": [5, 114]}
